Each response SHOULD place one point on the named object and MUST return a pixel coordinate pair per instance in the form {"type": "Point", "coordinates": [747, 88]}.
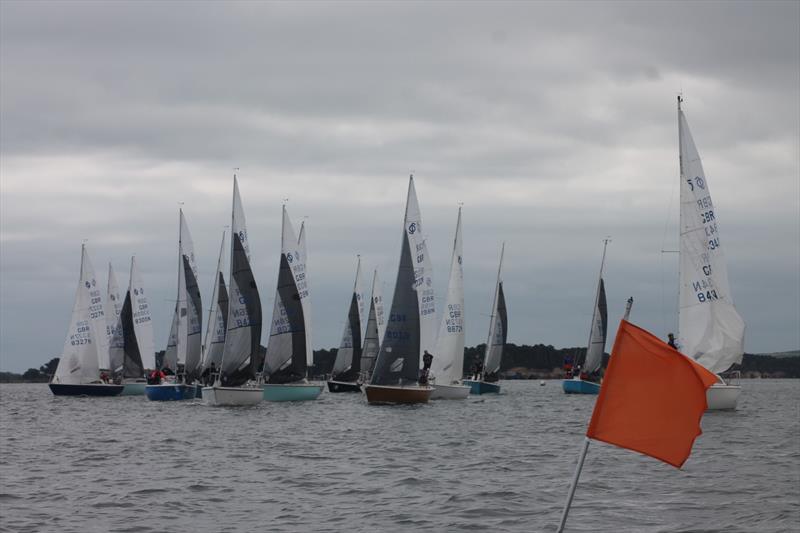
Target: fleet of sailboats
{"type": "Point", "coordinates": [413, 354]}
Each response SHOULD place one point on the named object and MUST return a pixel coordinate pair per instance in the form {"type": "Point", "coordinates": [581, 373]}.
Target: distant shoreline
{"type": "Point", "coordinates": [524, 361]}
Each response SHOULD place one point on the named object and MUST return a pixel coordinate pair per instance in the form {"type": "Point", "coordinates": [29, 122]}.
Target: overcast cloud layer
{"type": "Point", "coordinates": [554, 124]}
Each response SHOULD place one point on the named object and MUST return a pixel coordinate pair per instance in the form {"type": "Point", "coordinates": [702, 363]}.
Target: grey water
{"type": "Point", "coordinates": [499, 463]}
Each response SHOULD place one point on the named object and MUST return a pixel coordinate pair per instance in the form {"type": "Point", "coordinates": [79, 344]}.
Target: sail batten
{"type": "Point", "coordinates": [710, 329]}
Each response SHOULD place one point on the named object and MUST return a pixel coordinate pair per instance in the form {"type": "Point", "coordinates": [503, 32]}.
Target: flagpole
{"type": "Point", "coordinates": [573, 485]}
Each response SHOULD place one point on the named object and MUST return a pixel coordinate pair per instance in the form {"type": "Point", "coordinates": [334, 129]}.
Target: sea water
{"type": "Point", "coordinates": [492, 463]}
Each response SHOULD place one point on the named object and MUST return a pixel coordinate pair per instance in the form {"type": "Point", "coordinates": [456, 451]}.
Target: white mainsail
{"type": "Point", "coordinates": [82, 353]}
{"type": "Point", "coordinates": [113, 325]}
{"type": "Point", "coordinates": [243, 333]}
{"type": "Point", "coordinates": [599, 324]}
{"type": "Point", "coordinates": [305, 299]}
{"type": "Point", "coordinates": [709, 328]}
{"type": "Point", "coordinates": [286, 359]}
{"type": "Point", "coordinates": [142, 323]}
{"type": "Point", "coordinates": [217, 315]}
{"type": "Point", "coordinates": [348, 356]}
{"type": "Point", "coordinates": [375, 329]}
{"type": "Point", "coordinates": [497, 326]}
{"type": "Point", "coordinates": [423, 271]}
{"type": "Point", "coordinates": [448, 359]}
{"type": "Point", "coordinates": [170, 359]}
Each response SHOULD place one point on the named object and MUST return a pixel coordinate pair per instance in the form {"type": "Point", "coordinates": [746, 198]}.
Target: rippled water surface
{"type": "Point", "coordinates": [499, 463]}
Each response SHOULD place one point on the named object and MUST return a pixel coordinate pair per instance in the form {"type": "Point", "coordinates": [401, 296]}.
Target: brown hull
{"type": "Point", "coordinates": [394, 394]}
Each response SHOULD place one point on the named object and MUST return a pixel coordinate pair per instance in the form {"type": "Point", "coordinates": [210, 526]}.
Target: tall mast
{"type": "Point", "coordinates": [680, 207]}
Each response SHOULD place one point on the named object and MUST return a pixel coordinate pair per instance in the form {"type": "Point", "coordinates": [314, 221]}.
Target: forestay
{"type": "Point", "coordinates": [305, 300]}
{"type": "Point", "coordinates": [286, 351]}
{"type": "Point", "coordinates": [448, 359]}
{"type": "Point", "coordinates": [86, 337]}
{"type": "Point", "coordinates": [244, 306]}
{"type": "Point", "coordinates": [710, 329]}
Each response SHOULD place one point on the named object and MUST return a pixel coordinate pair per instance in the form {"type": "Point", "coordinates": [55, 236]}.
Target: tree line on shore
{"type": "Point", "coordinates": [538, 361]}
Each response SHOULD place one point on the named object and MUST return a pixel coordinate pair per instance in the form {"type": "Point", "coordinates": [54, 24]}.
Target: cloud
{"type": "Point", "coordinates": [553, 123]}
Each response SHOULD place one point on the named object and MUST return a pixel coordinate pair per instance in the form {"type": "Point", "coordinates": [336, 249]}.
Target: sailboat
{"type": "Point", "coordinates": [216, 324]}
{"type": "Point", "coordinates": [78, 371]}
{"type": "Point", "coordinates": [487, 380]}
{"type": "Point", "coordinates": [709, 329]}
{"type": "Point", "coordinates": [587, 379]}
{"type": "Point", "coordinates": [112, 310]}
{"type": "Point", "coordinates": [346, 372]}
{"type": "Point", "coordinates": [396, 376]}
{"type": "Point", "coordinates": [183, 350]}
{"type": "Point", "coordinates": [286, 362]}
{"type": "Point", "coordinates": [448, 362]}
{"type": "Point", "coordinates": [241, 357]}
{"type": "Point", "coordinates": [136, 329]}
{"type": "Point", "coordinates": [376, 327]}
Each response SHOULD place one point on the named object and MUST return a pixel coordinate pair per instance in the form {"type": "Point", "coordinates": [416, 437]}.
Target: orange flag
{"type": "Point", "coordinates": [652, 398]}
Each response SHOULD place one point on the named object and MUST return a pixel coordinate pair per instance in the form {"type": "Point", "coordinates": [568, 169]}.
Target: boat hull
{"type": "Point", "coordinates": [343, 386]}
{"type": "Point", "coordinates": [721, 397]}
{"type": "Point", "coordinates": [450, 392]}
{"type": "Point", "coordinates": [92, 389]}
{"type": "Point", "coordinates": [377, 394]}
{"type": "Point", "coordinates": [579, 386]}
{"type": "Point", "coordinates": [232, 396]}
{"type": "Point", "coordinates": [290, 392]}
{"type": "Point", "coordinates": [134, 388]}
{"type": "Point", "coordinates": [170, 392]}
{"type": "Point", "coordinates": [482, 387]}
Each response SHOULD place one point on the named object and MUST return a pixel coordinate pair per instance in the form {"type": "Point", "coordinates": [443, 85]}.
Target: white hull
{"type": "Point", "coordinates": [722, 397]}
{"type": "Point", "coordinates": [232, 395]}
{"type": "Point", "coordinates": [450, 392]}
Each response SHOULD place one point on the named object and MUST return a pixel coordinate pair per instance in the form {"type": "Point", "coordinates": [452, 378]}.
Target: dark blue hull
{"type": "Point", "coordinates": [170, 392]}
{"type": "Point", "coordinates": [95, 389]}
{"type": "Point", "coordinates": [579, 386]}
{"type": "Point", "coordinates": [343, 386]}
{"type": "Point", "coordinates": [482, 387]}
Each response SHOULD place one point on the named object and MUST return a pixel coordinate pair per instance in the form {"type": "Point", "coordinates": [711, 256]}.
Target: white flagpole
{"type": "Point", "coordinates": [573, 485]}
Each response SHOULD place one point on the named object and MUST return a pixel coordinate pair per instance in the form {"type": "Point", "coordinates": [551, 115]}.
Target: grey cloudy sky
{"type": "Point", "coordinates": [554, 124]}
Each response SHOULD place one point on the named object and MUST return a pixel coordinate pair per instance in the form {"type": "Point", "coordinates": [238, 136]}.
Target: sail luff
{"type": "Point", "coordinates": [141, 320]}
{"type": "Point", "coordinates": [347, 364]}
{"type": "Point", "coordinates": [305, 289]}
{"type": "Point", "coordinates": [372, 331]}
{"type": "Point", "coordinates": [492, 355]}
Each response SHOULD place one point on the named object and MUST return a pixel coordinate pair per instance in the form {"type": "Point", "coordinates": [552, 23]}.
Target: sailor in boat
{"type": "Point", "coordinates": [568, 366]}
{"type": "Point", "coordinates": [671, 340]}
{"type": "Point", "coordinates": [477, 368]}
{"type": "Point", "coordinates": [155, 377]}
{"type": "Point", "coordinates": [427, 359]}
